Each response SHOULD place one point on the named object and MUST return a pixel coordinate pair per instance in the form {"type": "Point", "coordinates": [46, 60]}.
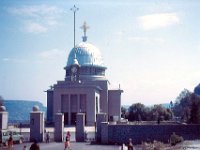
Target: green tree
{"type": "Point", "coordinates": [160, 112]}
{"type": "Point", "coordinates": [137, 112]}
{"type": "Point", "coordinates": [195, 109]}
{"type": "Point", "coordinates": [123, 112]}
{"type": "Point", "coordinates": [182, 105]}
{"type": "Point", "coordinates": [187, 107]}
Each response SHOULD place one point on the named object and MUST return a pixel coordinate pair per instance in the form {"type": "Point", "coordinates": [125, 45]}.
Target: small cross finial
{"type": "Point", "coordinates": [84, 27]}
{"type": "Point", "coordinates": [74, 9]}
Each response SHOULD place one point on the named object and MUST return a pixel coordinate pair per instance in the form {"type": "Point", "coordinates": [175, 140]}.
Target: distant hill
{"type": "Point", "coordinates": [19, 110]}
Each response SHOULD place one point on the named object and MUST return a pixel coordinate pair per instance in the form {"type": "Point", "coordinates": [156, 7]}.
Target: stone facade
{"type": "Point", "coordinates": [85, 88]}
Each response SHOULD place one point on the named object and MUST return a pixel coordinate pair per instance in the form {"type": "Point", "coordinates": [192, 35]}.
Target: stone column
{"type": "Point", "coordinates": [69, 112]}
{"type": "Point", "coordinates": [36, 125]}
{"type": "Point", "coordinates": [104, 133]}
{"type": "Point", "coordinates": [59, 127]}
{"type": "Point", "coordinates": [78, 104]}
{"type": "Point", "coordinates": [3, 118]}
{"type": "Point", "coordinates": [101, 117]}
{"type": "Point", "coordinates": [50, 105]}
{"type": "Point", "coordinates": [80, 127]}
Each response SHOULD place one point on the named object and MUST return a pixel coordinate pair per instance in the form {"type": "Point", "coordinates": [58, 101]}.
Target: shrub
{"type": "Point", "coordinates": [156, 145]}
{"type": "Point", "coordinates": [174, 139]}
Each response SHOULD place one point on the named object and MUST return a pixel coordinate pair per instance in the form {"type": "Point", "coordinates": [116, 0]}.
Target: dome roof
{"type": "Point", "coordinates": [86, 55]}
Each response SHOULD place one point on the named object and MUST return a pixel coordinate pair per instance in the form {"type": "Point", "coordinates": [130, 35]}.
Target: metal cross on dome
{"type": "Point", "coordinates": [84, 27]}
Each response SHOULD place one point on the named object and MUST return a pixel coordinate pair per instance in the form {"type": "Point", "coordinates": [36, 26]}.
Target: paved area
{"type": "Point", "coordinates": [60, 146]}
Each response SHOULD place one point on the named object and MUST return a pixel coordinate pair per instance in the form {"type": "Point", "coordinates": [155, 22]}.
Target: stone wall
{"type": "Point", "coordinates": [121, 133]}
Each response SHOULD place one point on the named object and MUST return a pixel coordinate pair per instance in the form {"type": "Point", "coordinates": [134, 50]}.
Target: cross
{"type": "Point", "coordinates": [74, 9]}
{"type": "Point", "coordinates": [84, 27]}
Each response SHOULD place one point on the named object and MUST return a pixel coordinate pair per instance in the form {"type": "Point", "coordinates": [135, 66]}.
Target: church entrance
{"type": "Point", "coordinates": [73, 118]}
{"type": "Point", "coordinates": [65, 118]}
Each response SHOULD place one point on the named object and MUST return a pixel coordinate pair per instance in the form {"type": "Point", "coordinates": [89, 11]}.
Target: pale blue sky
{"type": "Point", "coordinates": [151, 48]}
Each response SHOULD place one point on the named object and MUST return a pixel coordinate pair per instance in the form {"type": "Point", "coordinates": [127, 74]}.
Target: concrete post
{"type": "Point", "coordinates": [59, 127]}
{"type": "Point", "coordinates": [69, 112]}
{"type": "Point", "coordinates": [101, 117]}
{"type": "Point", "coordinates": [80, 127]}
{"type": "Point", "coordinates": [3, 118]}
{"type": "Point", "coordinates": [104, 133]}
{"type": "Point", "coordinates": [36, 125]}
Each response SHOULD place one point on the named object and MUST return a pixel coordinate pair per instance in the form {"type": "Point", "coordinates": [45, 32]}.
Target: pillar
{"type": "Point", "coordinates": [50, 105]}
{"type": "Point", "coordinates": [78, 103]}
{"type": "Point", "coordinates": [101, 117]}
{"type": "Point", "coordinates": [3, 118]}
{"type": "Point", "coordinates": [104, 132]}
{"type": "Point", "coordinates": [69, 111]}
{"type": "Point", "coordinates": [59, 127]}
{"type": "Point", "coordinates": [36, 125]}
{"type": "Point", "coordinates": [80, 127]}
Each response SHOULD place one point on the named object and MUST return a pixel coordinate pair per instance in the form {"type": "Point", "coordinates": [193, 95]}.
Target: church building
{"type": "Point", "coordinates": [85, 88]}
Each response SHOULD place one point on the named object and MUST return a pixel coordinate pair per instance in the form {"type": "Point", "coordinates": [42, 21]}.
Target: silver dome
{"type": "Point", "coordinates": [86, 55]}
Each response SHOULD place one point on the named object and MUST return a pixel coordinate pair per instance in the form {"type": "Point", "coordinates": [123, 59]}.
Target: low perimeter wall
{"type": "Point", "coordinates": [121, 133]}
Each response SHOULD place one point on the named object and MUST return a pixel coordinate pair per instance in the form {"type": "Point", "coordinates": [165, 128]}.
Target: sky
{"type": "Point", "coordinates": [151, 48]}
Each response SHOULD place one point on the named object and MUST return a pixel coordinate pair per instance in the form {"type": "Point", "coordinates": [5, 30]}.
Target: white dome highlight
{"type": "Point", "coordinates": [86, 55]}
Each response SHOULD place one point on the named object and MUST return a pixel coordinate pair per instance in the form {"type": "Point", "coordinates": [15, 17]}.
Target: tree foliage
{"type": "Point", "coordinates": [160, 112]}
{"type": "Point", "coordinates": [187, 107]}
{"type": "Point", "coordinates": [123, 112]}
{"type": "Point", "coordinates": [139, 112]}
{"type": "Point", "coordinates": [182, 105]}
{"type": "Point", "coordinates": [195, 109]}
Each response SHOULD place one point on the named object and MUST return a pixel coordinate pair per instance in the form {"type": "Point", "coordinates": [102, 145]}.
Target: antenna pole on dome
{"type": "Point", "coordinates": [74, 9]}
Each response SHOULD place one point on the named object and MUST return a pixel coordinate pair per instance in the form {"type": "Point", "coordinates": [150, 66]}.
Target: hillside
{"type": "Point", "coordinates": [19, 110]}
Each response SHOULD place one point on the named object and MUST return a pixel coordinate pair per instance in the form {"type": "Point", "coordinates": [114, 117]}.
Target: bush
{"type": "Point", "coordinates": [158, 145]}
{"type": "Point", "coordinates": [174, 139]}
